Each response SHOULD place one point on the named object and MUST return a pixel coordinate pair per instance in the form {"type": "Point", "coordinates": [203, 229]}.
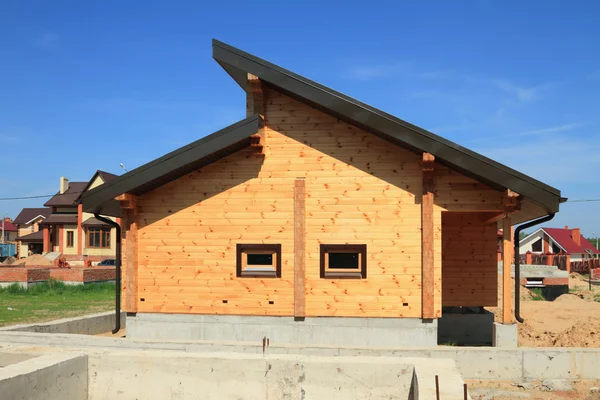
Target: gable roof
{"type": "Point", "coordinates": [239, 64]}
{"type": "Point", "coordinates": [28, 214]}
{"type": "Point", "coordinates": [564, 238]}
{"type": "Point", "coordinates": [10, 226]}
{"type": "Point", "coordinates": [69, 197]}
{"type": "Point", "coordinates": [105, 176]}
{"type": "Point", "coordinates": [171, 166]}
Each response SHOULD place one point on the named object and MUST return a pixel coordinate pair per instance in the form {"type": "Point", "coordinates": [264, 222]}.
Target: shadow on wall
{"type": "Point", "coordinates": [180, 194]}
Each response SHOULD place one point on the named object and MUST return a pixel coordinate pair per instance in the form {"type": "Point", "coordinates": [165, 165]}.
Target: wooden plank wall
{"type": "Point", "coordinates": [469, 260]}
{"type": "Point", "coordinates": [359, 190]}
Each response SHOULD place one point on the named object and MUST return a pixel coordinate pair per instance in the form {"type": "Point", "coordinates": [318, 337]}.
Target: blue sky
{"type": "Point", "coordinates": [88, 85]}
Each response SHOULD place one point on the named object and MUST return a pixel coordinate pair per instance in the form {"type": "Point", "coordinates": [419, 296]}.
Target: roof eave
{"type": "Point", "coordinates": [101, 199]}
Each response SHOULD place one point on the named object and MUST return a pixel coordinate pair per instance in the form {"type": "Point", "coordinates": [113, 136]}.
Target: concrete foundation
{"type": "Point", "coordinates": [244, 376]}
{"type": "Point", "coordinates": [87, 325]}
{"type": "Point", "coordinates": [54, 376]}
{"type": "Point", "coordinates": [464, 328]}
{"type": "Point", "coordinates": [392, 332]}
{"type": "Point", "coordinates": [505, 335]}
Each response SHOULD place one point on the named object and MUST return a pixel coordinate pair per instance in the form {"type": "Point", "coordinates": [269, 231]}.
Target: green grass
{"type": "Point", "coordinates": [597, 297]}
{"type": "Point", "coordinates": [53, 300]}
{"type": "Point", "coordinates": [536, 295]}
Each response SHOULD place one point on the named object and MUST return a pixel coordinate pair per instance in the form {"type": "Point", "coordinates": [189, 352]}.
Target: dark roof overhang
{"type": "Point", "coordinates": [59, 218]}
{"type": "Point", "coordinates": [101, 200]}
{"type": "Point", "coordinates": [239, 64]}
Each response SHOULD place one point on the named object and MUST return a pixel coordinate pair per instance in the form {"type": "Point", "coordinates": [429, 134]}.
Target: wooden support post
{"type": "Point", "coordinates": [60, 238]}
{"type": "Point", "coordinates": [131, 255]}
{"type": "Point", "coordinates": [46, 239]}
{"type": "Point", "coordinates": [299, 248]}
{"type": "Point", "coordinates": [507, 250]}
{"type": "Point", "coordinates": [79, 229]}
{"type": "Point", "coordinates": [427, 233]}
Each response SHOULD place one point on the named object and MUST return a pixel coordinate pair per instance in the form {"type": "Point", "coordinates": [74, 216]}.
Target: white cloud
{"type": "Point", "coordinates": [47, 40]}
{"type": "Point", "coordinates": [554, 160]}
{"type": "Point", "coordinates": [523, 94]}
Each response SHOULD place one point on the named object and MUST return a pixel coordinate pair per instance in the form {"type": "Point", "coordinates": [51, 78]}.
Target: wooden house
{"type": "Point", "coordinates": [316, 219]}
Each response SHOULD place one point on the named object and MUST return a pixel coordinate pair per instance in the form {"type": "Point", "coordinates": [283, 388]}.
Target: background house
{"type": "Point", "coordinates": [10, 231]}
{"type": "Point", "coordinates": [70, 231]}
{"type": "Point", "coordinates": [556, 240]}
{"type": "Point", "coordinates": [30, 237]}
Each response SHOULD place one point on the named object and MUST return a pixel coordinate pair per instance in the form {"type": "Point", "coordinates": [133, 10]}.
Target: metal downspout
{"type": "Point", "coordinates": [118, 271]}
{"type": "Point", "coordinates": [518, 262]}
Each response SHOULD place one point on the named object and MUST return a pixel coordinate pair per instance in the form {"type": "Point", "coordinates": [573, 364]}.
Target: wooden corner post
{"type": "Point", "coordinates": [130, 228]}
{"type": "Point", "coordinates": [511, 205]}
{"type": "Point", "coordinates": [427, 234]}
{"type": "Point", "coordinates": [299, 248]}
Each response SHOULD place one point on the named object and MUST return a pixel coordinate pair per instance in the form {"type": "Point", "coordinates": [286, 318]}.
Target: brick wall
{"type": "Point", "coordinates": [22, 274]}
{"type": "Point", "coordinates": [81, 274]}
{"type": "Point", "coordinates": [38, 273]}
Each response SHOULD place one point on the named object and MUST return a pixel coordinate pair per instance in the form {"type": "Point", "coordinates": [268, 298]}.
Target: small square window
{"type": "Point", "coordinates": [258, 260]}
{"type": "Point", "coordinates": [344, 261]}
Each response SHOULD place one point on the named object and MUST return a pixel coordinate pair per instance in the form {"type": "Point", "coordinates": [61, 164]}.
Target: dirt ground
{"type": "Point", "coordinates": [572, 320]}
{"type": "Point", "coordinates": [506, 390]}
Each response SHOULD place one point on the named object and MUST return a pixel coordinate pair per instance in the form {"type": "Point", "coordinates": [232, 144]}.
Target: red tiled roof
{"type": "Point", "coordinates": [9, 226]}
{"type": "Point", "coordinates": [564, 238]}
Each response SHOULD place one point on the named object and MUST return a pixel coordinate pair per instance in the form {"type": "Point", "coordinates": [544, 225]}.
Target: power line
{"type": "Point", "coordinates": [33, 197]}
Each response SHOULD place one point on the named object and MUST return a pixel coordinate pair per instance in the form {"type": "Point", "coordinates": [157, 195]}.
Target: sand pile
{"type": "Point", "coordinates": [530, 337]}
{"type": "Point", "coordinates": [35, 259]}
{"type": "Point", "coordinates": [585, 333]}
{"type": "Point", "coordinates": [569, 298]}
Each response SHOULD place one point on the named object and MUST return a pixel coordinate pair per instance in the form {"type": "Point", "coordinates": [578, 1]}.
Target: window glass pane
{"type": "Point", "coordinates": [343, 260]}
{"type": "Point", "coordinates": [537, 246]}
{"type": "Point", "coordinates": [260, 259]}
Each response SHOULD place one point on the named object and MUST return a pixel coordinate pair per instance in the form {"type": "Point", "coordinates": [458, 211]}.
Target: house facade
{"type": "Point", "coordinates": [9, 230]}
{"type": "Point", "coordinates": [557, 240]}
{"type": "Point", "coordinates": [72, 232]}
{"type": "Point", "coordinates": [30, 236]}
{"type": "Point", "coordinates": [316, 219]}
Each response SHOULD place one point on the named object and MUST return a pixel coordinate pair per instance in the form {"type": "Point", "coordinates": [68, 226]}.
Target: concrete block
{"type": "Point", "coordinates": [54, 376]}
{"type": "Point", "coordinates": [505, 335]}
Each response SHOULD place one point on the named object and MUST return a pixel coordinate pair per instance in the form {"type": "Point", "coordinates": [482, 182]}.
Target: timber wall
{"type": "Point", "coordinates": [360, 190]}
{"type": "Point", "coordinates": [469, 261]}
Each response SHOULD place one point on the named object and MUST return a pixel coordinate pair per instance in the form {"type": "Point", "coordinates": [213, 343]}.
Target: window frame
{"type": "Point", "coordinates": [328, 273]}
{"type": "Point", "coordinates": [70, 235]}
{"type": "Point", "coordinates": [241, 261]}
{"type": "Point", "coordinates": [101, 231]}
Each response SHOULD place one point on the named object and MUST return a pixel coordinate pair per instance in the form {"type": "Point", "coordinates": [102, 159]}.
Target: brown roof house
{"type": "Point", "coordinates": [317, 219]}
{"type": "Point", "coordinates": [30, 238]}
{"type": "Point", "coordinates": [72, 232]}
